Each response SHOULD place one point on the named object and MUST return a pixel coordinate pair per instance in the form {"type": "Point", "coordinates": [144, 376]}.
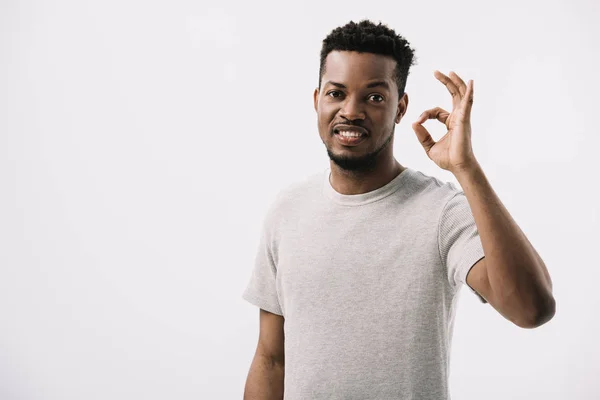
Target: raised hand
{"type": "Point", "coordinates": [453, 152]}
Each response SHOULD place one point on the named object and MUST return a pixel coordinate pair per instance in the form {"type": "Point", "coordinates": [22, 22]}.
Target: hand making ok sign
{"type": "Point", "coordinates": [453, 152]}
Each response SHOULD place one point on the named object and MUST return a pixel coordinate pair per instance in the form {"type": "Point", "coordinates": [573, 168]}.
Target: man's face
{"type": "Point", "coordinates": [367, 102]}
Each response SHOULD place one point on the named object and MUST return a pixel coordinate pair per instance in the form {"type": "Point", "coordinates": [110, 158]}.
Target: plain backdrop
{"type": "Point", "coordinates": [141, 143]}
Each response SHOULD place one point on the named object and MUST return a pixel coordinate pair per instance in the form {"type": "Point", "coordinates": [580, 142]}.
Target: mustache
{"type": "Point", "coordinates": [348, 124]}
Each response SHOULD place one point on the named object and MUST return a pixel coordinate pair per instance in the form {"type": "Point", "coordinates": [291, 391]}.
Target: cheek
{"type": "Point", "coordinates": [325, 116]}
{"type": "Point", "coordinates": [388, 118]}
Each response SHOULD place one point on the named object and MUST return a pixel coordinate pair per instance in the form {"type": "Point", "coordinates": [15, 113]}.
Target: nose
{"type": "Point", "coordinates": [352, 109]}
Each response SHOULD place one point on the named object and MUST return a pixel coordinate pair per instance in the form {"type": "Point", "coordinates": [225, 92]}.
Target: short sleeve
{"type": "Point", "coordinates": [459, 242]}
{"type": "Point", "coordinates": [261, 289]}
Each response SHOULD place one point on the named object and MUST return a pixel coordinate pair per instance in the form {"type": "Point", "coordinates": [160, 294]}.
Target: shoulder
{"type": "Point", "coordinates": [293, 196]}
{"type": "Point", "coordinates": [431, 190]}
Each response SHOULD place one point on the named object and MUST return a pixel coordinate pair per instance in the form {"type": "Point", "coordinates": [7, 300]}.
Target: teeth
{"type": "Point", "coordinates": [350, 134]}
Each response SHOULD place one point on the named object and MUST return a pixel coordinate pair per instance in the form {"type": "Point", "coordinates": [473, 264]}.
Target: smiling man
{"type": "Point", "coordinates": [359, 268]}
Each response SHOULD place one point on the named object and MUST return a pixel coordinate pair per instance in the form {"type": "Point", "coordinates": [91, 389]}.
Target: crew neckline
{"type": "Point", "coordinates": [363, 198]}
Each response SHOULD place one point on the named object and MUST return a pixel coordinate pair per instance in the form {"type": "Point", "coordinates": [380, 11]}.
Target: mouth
{"type": "Point", "coordinates": [350, 136]}
{"type": "Point", "coordinates": [349, 128]}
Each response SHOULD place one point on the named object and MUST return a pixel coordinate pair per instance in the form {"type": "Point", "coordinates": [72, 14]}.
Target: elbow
{"type": "Point", "coordinates": [542, 313]}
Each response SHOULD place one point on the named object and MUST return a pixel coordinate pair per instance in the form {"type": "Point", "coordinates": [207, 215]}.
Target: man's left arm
{"type": "Point", "coordinates": [512, 276]}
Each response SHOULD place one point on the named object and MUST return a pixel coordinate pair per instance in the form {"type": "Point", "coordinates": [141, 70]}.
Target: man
{"type": "Point", "coordinates": [359, 269]}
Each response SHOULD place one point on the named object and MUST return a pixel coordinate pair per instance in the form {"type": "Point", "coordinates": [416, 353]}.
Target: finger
{"type": "Point", "coordinates": [467, 101]}
{"type": "Point", "coordinates": [435, 113]}
{"type": "Point", "coordinates": [456, 97]}
{"type": "Point", "coordinates": [424, 137]}
{"type": "Point", "coordinates": [460, 84]}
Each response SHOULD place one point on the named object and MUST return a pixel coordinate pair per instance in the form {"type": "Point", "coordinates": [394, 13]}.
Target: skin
{"type": "Point", "coordinates": [267, 372]}
{"type": "Point", "coordinates": [371, 164]}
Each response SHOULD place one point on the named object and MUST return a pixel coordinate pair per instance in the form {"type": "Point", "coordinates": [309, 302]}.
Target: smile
{"type": "Point", "coordinates": [350, 140]}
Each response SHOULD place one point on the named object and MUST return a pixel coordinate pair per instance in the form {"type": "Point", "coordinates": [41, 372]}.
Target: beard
{"type": "Point", "coordinates": [360, 163]}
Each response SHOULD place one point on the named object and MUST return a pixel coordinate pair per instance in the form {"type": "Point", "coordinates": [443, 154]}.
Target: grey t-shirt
{"type": "Point", "coordinates": [368, 285]}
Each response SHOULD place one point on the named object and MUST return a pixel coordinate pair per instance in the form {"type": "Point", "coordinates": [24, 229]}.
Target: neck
{"type": "Point", "coordinates": [359, 182]}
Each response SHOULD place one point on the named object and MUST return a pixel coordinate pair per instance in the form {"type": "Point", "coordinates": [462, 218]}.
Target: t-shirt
{"type": "Point", "coordinates": [367, 285]}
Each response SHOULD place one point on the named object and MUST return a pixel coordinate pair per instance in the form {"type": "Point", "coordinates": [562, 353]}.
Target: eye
{"type": "Point", "coordinates": [333, 91]}
{"type": "Point", "coordinates": [378, 95]}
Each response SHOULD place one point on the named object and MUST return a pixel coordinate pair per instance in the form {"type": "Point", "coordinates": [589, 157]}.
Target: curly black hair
{"type": "Point", "coordinates": [366, 37]}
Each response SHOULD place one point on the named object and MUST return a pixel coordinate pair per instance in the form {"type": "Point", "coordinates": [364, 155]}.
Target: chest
{"type": "Point", "coordinates": [357, 263]}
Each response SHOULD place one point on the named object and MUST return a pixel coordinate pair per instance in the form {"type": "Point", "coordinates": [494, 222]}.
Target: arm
{"type": "Point", "coordinates": [512, 277]}
{"type": "Point", "coordinates": [265, 378]}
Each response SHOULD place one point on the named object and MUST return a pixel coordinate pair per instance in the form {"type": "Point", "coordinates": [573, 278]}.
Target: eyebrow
{"type": "Point", "coordinates": [370, 85]}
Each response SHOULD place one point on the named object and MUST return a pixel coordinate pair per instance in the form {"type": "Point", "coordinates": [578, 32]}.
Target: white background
{"type": "Point", "coordinates": [141, 143]}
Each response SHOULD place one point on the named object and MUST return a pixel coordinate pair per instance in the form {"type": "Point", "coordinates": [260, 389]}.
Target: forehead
{"type": "Point", "coordinates": [353, 67]}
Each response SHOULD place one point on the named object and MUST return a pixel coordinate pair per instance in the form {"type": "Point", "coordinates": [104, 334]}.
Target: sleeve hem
{"type": "Point", "coordinates": [481, 299]}
{"type": "Point", "coordinates": [261, 303]}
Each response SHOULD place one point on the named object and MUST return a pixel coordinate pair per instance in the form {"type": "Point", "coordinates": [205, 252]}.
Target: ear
{"type": "Point", "coordinates": [402, 107]}
{"type": "Point", "coordinates": [316, 98]}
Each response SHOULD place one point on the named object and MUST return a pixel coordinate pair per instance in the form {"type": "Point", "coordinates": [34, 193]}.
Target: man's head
{"type": "Point", "coordinates": [362, 77]}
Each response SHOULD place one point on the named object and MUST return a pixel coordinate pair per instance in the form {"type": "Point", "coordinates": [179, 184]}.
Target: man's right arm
{"type": "Point", "coordinates": [265, 378]}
